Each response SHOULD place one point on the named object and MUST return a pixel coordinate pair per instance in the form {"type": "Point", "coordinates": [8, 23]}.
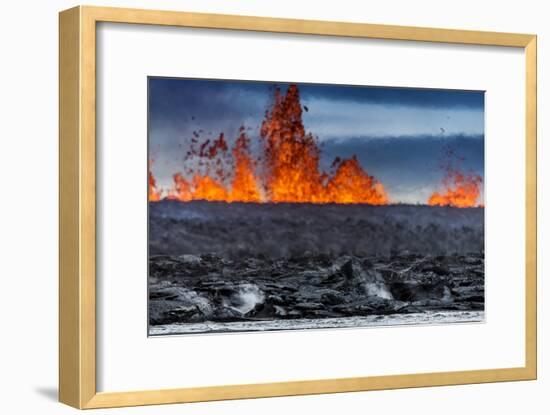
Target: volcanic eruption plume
{"type": "Point", "coordinates": [244, 186]}
{"type": "Point", "coordinates": [154, 193]}
{"type": "Point", "coordinates": [460, 189]}
{"type": "Point", "coordinates": [287, 168]}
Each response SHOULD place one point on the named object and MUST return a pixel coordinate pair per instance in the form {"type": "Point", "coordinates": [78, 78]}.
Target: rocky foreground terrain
{"type": "Point", "coordinates": [223, 263]}
{"type": "Point", "coordinates": [192, 288]}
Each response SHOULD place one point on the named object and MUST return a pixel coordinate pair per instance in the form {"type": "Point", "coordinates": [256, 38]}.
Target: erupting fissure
{"type": "Point", "coordinates": [460, 189]}
{"type": "Point", "coordinates": [287, 169]}
{"type": "Point", "coordinates": [154, 193]}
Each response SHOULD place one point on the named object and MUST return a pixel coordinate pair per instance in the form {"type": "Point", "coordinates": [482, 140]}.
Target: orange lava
{"type": "Point", "coordinates": [291, 156]}
{"type": "Point", "coordinates": [351, 184]}
{"type": "Point", "coordinates": [461, 190]}
{"type": "Point", "coordinates": [207, 188]}
{"type": "Point", "coordinates": [154, 194]}
{"type": "Point", "coordinates": [287, 170]}
{"type": "Point", "coordinates": [244, 186]}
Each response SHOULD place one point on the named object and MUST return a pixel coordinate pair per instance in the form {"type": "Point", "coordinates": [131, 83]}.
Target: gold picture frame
{"type": "Point", "coordinates": [77, 275]}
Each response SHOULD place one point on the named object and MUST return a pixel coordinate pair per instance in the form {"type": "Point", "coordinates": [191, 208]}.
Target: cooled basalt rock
{"type": "Point", "coordinates": [213, 288]}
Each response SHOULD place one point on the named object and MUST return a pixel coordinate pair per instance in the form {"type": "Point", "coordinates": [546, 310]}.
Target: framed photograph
{"type": "Point", "coordinates": [255, 207]}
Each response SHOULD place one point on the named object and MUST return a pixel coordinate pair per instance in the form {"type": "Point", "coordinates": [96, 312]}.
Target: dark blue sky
{"type": "Point", "coordinates": [400, 135]}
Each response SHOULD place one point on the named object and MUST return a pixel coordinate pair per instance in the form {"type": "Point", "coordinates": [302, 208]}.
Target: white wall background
{"type": "Point", "coordinates": [28, 219]}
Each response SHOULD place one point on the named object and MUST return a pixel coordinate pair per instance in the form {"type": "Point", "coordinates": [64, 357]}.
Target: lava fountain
{"type": "Point", "coordinates": [460, 189]}
{"type": "Point", "coordinates": [287, 168]}
{"type": "Point", "coordinates": [154, 193]}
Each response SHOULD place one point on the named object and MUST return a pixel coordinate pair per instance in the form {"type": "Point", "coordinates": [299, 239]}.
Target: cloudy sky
{"type": "Point", "coordinates": [400, 135]}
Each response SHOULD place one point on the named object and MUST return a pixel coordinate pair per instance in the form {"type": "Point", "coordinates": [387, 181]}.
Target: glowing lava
{"type": "Point", "coordinates": [351, 184]}
{"type": "Point", "coordinates": [461, 190]}
{"type": "Point", "coordinates": [287, 169]}
{"type": "Point", "coordinates": [291, 170]}
{"type": "Point", "coordinates": [154, 194]}
{"type": "Point", "coordinates": [244, 186]}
